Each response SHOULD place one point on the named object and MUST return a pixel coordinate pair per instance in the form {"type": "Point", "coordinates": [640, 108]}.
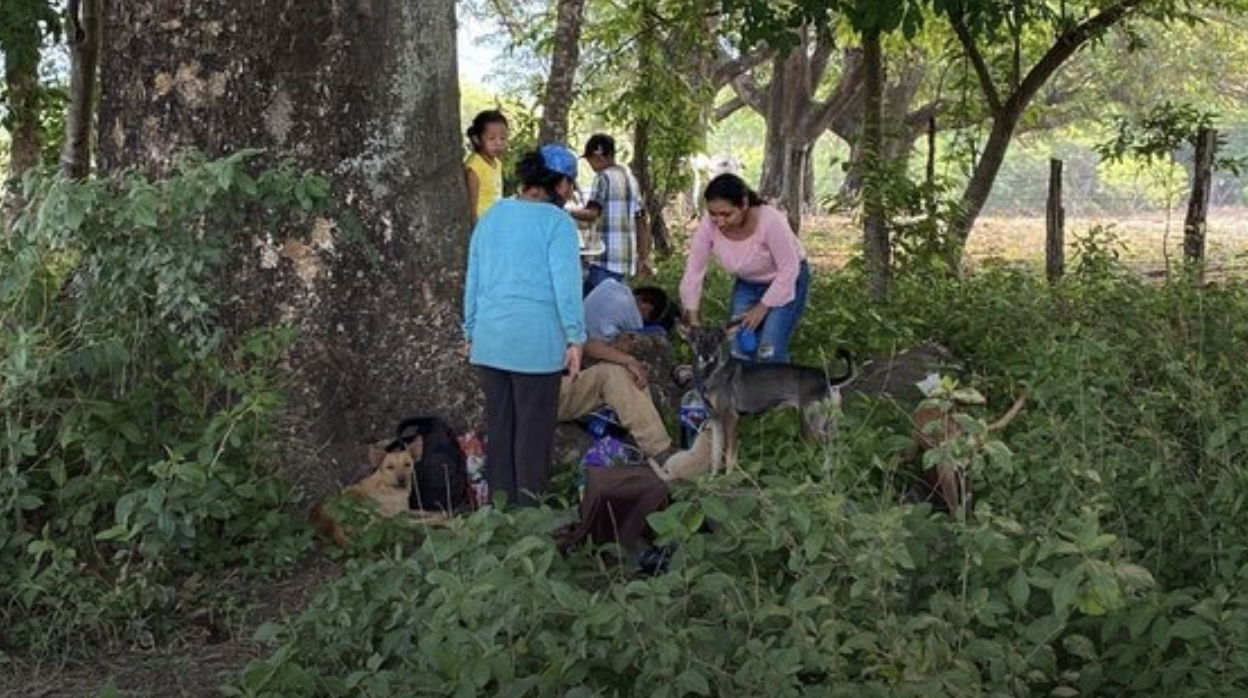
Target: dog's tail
{"type": "Point", "coordinates": [851, 371]}
{"type": "Point", "coordinates": [1010, 414]}
{"type": "Point", "coordinates": [327, 525]}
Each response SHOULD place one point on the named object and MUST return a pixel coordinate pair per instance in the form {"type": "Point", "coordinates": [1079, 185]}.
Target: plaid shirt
{"type": "Point", "coordinates": [617, 194]}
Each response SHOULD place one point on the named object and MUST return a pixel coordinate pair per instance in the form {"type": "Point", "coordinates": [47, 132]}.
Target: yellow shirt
{"type": "Point", "coordinates": [489, 181]}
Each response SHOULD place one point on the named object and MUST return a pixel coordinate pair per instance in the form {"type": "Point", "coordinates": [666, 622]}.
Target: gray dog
{"type": "Point", "coordinates": [732, 388]}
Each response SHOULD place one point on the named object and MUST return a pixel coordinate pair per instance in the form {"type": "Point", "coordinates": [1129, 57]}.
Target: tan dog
{"type": "Point", "coordinates": [388, 487]}
{"type": "Point", "coordinates": [934, 426]}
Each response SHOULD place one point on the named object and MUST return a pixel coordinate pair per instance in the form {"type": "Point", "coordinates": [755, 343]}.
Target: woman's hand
{"type": "Point", "coordinates": [691, 318]}
{"type": "Point", "coordinates": [754, 317]}
{"type": "Point", "coordinates": [572, 360]}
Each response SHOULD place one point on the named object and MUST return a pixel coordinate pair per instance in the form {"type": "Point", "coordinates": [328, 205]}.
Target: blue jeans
{"type": "Point", "coordinates": [597, 275]}
{"type": "Point", "coordinates": [777, 328]}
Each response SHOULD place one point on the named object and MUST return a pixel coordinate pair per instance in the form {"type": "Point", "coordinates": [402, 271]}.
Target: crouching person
{"type": "Point", "coordinates": [621, 382]}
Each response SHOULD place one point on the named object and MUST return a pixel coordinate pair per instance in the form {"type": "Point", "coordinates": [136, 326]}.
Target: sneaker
{"type": "Point", "coordinates": [654, 559]}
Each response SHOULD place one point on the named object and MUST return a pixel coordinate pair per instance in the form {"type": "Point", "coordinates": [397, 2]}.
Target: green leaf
{"type": "Point", "coordinates": [715, 509]}
{"type": "Point", "coordinates": [1066, 590]}
{"type": "Point", "coordinates": [1019, 589]}
{"type": "Point", "coordinates": [1080, 646]}
{"type": "Point", "coordinates": [1190, 628]}
{"type": "Point", "coordinates": [694, 682]}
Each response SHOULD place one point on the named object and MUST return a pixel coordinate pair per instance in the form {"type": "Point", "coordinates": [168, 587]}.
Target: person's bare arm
{"type": "Point", "coordinates": [603, 351]}
{"type": "Point", "coordinates": [474, 190]}
{"type": "Point", "coordinates": [586, 214]}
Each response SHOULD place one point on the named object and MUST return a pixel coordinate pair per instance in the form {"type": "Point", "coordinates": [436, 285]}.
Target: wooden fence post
{"type": "Point", "coordinates": [1054, 225]}
{"type": "Point", "coordinates": [1194, 223]}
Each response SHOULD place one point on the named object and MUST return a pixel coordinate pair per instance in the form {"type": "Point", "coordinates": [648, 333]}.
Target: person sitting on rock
{"type": "Point", "coordinates": [618, 379]}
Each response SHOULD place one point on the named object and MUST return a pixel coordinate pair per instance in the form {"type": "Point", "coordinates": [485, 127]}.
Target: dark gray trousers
{"type": "Point", "coordinates": [520, 412]}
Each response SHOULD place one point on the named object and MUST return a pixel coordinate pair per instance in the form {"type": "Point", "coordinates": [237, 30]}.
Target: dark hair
{"type": "Point", "coordinates": [665, 311]}
{"type": "Point", "coordinates": [479, 122]}
{"type": "Point", "coordinates": [532, 171]}
{"type": "Point", "coordinates": [731, 188]}
{"type": "Point", "coordinates": [600, 144]}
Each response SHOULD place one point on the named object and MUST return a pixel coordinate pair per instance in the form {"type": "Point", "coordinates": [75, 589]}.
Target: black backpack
{"type": "Point", "coordinates": [441, 475]}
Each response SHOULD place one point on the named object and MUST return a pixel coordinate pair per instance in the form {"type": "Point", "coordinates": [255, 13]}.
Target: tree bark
{"type": "Point", "coordinates": [783, 100]}
{"type": "Point", "coordinates": [84, 46]}
{"type": "Point", "coordinates": [795, 186]}
{"type": "Point", "coordinates": [557, 102]}
{"type": "Point", "coordinates": [656, 235]}
{"type": "Point", "coordinates": [876, 248]}
{"type": "Point", "coordinates": [794, 119]}
{"type": "Point", "coordinates": [21, 80]}
{"type": "Point", "coordinates": [929, 168]}
{"type": "Point", "coordinates": [643, 160]}
{"type": "Point", "coordinates": [1198, 202]}
{"type": "Point", "coordinates": [366, 92]}
{"type": "Point", "coordinates": [900, 126]}
{"type": "Point", "coordinates": [1055, 226]}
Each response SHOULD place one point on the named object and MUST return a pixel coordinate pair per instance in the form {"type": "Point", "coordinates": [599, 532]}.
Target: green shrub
{"type": "Point", "coordinates": [1106, 555]}
{"type": "Point", "coordinates": [131, 450]}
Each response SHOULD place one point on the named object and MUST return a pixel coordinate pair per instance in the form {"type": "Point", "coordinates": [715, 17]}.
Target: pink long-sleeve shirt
{"type": "Point", "coordinates": [773, 254]}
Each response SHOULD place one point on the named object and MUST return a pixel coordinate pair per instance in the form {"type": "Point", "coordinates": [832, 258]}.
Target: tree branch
{"type": "Point", "coordinates": [843, 97]}
{"type": "Point", "coordinates": [508, 21]}
{"type": "Point", "coordinates": [977, 61]}
{"type": "Point", "coordinates": [728, 68]}
{"type": "Point", "coordinates": [824, 46]}
{"type": "Point", "coordinates": [750, 92]}
{"type": "Point", "coordinates": [729, 108]}
{"type": "Point", "coordinates": [1065, 46]}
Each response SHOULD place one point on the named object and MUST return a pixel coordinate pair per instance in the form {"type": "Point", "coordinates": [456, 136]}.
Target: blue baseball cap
{"type": "Point", "coordinates": [558, 158]}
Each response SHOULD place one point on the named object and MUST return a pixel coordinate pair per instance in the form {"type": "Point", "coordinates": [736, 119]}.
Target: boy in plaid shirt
{"type": "Point", "coordinates": [614, 204]}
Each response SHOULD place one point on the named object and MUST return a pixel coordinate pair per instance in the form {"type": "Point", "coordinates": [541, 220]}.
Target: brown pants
{"type": "Point", "coordinates": [612, 385]}
{"type": "Point", "coordinates": [615, 506]}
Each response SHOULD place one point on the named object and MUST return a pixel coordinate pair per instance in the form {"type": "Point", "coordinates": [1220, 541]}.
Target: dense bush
{"type": "Point", "coordinates": [1106, 555]}
{"type": "Point", "coordinates": [131, 448]}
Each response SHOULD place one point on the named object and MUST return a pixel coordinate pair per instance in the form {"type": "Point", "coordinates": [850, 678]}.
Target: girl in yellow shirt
{"type": "Point", "coordinates": [483, 168]}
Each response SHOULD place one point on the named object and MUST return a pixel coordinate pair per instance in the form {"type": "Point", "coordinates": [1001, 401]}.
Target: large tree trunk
{"type": "Point", "coordinates": [21, 81]}
{"type": "Point", "coordinates": [84, 45]}
{"type": "Point", "coordinates": [876, 248]}
{"type": "Point", "coordinates": [794, 119]}
{"type": "Point", "coordinates": [788, 144]}
{"type": "Point", "coordinates": [557, 103]}
{"type": "Point", "coordinates": [977, 189]}
{"type": "Point", "coordinates": [900, 125]}
{"type": "Point", "coordinates": [365, 91]}
{"type": "Point", "coordinates": [1198, 202]}
{"type": "Point", "coordinates": [642, 162]}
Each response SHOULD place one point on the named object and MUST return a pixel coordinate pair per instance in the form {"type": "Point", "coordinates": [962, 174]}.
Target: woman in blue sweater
{"type": "Point", "coordinates": [524, 321]}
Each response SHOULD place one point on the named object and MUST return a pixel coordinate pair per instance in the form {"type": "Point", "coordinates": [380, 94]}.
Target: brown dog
{"type": "Point", "coordinates": [388, 487]}
{"type": "Point", "coordinates": [934, 426]}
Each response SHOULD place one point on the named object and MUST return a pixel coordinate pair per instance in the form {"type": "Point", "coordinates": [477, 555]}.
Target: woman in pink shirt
{"type": "Point", "coordinates": [753, 242]}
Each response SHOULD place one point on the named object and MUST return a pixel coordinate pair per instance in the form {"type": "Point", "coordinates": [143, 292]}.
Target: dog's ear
{"type": "Point", "coordinates": [376, 454]}
{"type": "Point", "coordinates": [416, 447]}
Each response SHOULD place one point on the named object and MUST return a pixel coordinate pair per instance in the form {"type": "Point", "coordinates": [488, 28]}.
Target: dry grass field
{"type": "Point", "coordinates": [830, 240]}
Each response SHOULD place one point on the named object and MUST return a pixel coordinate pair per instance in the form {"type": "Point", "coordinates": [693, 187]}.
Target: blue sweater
{"type": "Point", "coordinates": [522, 297]}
